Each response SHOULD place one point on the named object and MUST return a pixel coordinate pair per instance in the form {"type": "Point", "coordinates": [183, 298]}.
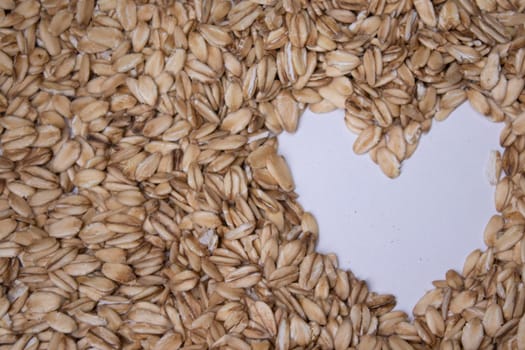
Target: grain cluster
{"type": "Point", "coordinates": [143, 201]}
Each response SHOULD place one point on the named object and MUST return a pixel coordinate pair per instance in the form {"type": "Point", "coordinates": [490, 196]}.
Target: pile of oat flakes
{"type": "Point", "coordinates": [143, 202]}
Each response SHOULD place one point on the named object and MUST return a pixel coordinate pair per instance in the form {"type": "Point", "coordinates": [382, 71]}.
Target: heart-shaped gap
{"type": "Point", "coordinates": [400, 234]}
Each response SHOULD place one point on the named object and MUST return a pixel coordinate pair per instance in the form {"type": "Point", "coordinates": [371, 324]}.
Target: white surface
{"type": "Point", "coordinates": [399, 235]}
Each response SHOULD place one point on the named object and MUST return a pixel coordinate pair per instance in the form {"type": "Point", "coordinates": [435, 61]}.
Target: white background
{"type": "Point", "coordinates": [398, 235]}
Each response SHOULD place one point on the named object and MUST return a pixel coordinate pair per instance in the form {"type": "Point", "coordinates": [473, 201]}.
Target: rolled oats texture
{"type": "Point", "coordinates": [104, 97]}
